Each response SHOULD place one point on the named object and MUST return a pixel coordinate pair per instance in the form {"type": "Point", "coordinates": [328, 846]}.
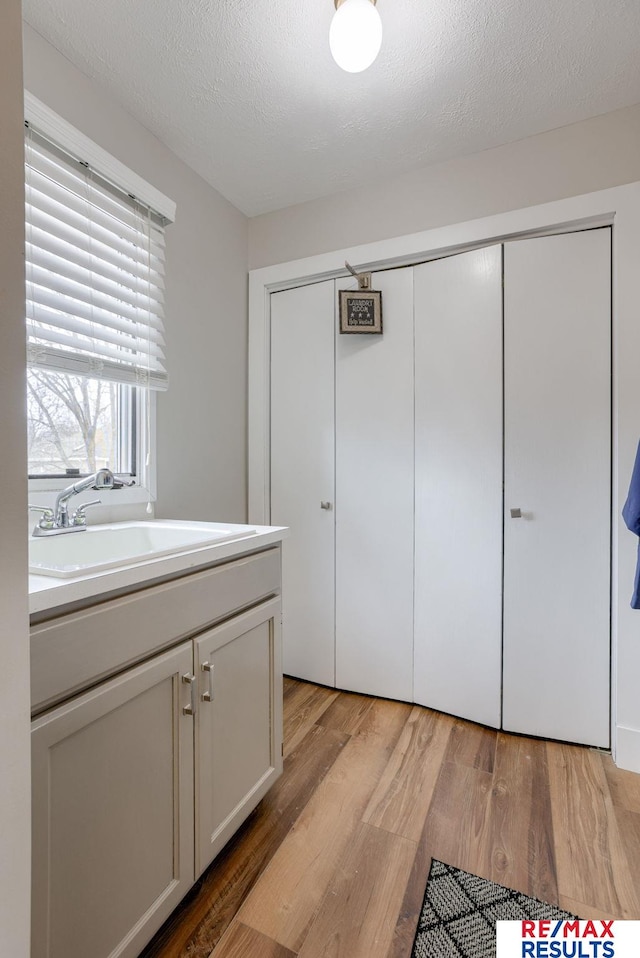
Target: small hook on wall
{"type": "Point", "coordinates": [364, 279]}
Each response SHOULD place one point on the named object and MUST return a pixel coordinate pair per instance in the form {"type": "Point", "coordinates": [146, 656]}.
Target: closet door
{"type": "Point", "coordinates": [302, 473]}
{"type": "Point", "coordinates": [458, 548]}
{"type": "Point", "coordinates": [374, 498]}
{"type": "Point", "coordinates": [557, 486]}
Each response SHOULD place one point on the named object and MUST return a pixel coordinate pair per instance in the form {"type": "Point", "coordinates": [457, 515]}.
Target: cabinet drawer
{"type": "Point", "coordinates": [75, 651]}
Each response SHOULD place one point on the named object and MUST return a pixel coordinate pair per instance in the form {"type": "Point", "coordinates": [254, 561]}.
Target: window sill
{"type": "Point", "coordinates": [42, 492]}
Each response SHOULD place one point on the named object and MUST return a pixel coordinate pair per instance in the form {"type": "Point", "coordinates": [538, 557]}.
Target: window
{"type": "Point", "coordinates": [95, 269]}
{"type": "Point", "coordinates": [77, 425]}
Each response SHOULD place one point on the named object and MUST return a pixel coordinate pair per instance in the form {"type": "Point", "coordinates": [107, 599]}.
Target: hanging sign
{"type": "Point", "coordinates": [361, 309]}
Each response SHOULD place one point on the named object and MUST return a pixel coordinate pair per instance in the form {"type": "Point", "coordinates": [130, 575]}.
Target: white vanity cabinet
{"type": "Point", "coordinates": [141, 775]}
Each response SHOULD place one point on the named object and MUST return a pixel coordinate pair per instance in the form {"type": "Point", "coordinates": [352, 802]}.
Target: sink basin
{"type": "Point", "coordinates": [126, 543]}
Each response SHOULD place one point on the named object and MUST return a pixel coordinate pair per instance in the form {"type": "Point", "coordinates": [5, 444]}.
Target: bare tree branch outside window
{"type": "Point", "coordinates": [73, 423]}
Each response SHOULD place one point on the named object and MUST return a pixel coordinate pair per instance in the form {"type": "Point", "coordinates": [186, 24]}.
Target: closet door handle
{"type": "Point", "coordinates": [516, 513]}
{"type": "Point", "coordinates": [326, 505]}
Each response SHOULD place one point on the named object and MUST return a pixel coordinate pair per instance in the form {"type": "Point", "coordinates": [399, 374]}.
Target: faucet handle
{"type": "Point", "coordinates": [46, 520]}
{"type": "Point", "coordinates": [118, 483]}
{"type": "Point", "coordinates": [105, 479]}
{"type": "Point", "coordinates": [79, 518]}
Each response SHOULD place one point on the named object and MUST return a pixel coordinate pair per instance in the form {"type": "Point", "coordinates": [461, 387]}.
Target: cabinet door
{"type": "Point", "coordinates": [458, 561]}
{"type": "Point", "coordinates": [113, 812]}
{"type": "Point", "coordinates": [557, 479]}
{"type": "Point", "coordinates": [302, 474]}
{"type": "Point", "coordinates": [239, 723]}
{"type": "Point", "coordinates": [374, 498]}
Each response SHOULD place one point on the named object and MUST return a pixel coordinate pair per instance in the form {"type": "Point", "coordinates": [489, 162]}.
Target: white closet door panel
{"type": "Point", "coordinates": [374, 498]}
{"type": "Point", "coordinates": [302, 473]}
{"type": "Point", "coordinates": [557, 471]}
{"type": "Point", "coordinates": [458, 557]}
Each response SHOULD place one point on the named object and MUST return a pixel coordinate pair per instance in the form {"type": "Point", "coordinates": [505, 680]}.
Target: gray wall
{"type": "Point", "coordinates": [581, 158]}
{"type": "Point", "coordinates": [201, 423]}
{"type": "Point", "coordinates": [15, 830]}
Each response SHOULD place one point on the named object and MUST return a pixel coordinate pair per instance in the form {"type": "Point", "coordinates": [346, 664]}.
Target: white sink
{"type": "Point", "coordinates": [126, 543]}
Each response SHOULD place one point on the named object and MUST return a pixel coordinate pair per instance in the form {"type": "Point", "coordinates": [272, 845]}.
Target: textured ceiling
{"type": "Point", "coordinates": [246, 92]}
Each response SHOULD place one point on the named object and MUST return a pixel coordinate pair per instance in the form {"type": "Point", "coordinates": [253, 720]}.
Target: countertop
{"type": "Point", "coordinates": [47, 593]}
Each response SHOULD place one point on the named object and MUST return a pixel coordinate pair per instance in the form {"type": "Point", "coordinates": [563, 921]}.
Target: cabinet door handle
{"type": "Point", "coordinates": [325, 504]}
{"type": "Point", "coordinates": [208, 667]}
{"type": "Point", "coordinates": [189, 679]}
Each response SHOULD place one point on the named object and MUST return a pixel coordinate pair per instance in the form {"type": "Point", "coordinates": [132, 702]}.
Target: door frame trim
{"type": "Point", "coordinates": [619, 207]}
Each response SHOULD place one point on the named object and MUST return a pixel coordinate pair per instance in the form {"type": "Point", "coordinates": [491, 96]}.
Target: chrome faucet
{"type": "Point", "coordinates": [57, 520]}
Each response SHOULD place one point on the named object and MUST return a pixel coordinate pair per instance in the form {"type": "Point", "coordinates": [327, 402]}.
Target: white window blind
{"type": "Point", "coordinates": [95, 273]}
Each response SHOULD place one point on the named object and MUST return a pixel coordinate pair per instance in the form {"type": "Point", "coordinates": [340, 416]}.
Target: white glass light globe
{"type": "Point", "coordinates": [355, 35]}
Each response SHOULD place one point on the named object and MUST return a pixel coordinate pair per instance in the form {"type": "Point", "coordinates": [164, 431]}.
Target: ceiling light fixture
{"type": "Point", "coordinates": [355, 35]}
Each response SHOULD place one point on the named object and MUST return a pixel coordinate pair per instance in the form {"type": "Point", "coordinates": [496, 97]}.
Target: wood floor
{"type": "Point", "coordinates": [333, 862]}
